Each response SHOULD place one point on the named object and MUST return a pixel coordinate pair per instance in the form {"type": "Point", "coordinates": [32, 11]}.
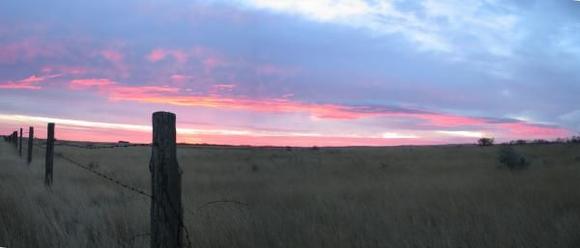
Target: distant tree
{"type": "Point", "coordinates": [521, 142]}
{"type": "Point", "coordinates": [540, 141]}
{"type": "Point", "coordinates": [485, 141]}
{"type": "Point", "coordinates": [574, 139]}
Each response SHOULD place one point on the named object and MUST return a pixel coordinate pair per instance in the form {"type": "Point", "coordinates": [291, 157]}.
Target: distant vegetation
{"type": "Point", "coordinates": [485, 141]}
{"type": "Point", "coordinates": [512, 159]}
{"type": "Point", "coordinates": [571, 140]}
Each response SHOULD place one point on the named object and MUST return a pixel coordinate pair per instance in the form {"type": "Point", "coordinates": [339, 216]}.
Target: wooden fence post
{"type": "Point", "coordinates": [49, 155]}
{"type": "Point", "coordinates": [20, 144]}
{"type": "Point", "coordinates": [30, 142]}
{"type": "Point", "coordinates": [166, 209]}
{"type": "Point", "coordinates": [15, 138]}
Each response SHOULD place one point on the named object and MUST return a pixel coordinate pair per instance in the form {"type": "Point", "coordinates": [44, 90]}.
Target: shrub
{"type": "Point", "coordinates": [485, 141]}
{"type": "Point", "coordinates": [560, 140]}
{"type": "Point", "coordinates": [540, 141]}
{"type": "Point", "coordinates": [513, 160]}
{"type": "Point", "coordinates": [574, 139]}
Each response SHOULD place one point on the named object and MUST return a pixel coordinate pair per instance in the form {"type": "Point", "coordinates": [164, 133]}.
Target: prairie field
{"type": "Point", "coordinates": [423, 196]}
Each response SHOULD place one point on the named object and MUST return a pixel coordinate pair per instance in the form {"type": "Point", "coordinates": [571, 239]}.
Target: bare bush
{"type": "Point", "coordinates": [485, 141]}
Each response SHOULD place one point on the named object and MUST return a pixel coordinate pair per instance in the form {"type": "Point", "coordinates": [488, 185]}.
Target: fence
{"type": "Point", "coordinates": [166, 216]}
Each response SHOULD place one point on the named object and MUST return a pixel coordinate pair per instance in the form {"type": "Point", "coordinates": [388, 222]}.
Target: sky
{"type": "Point", "coordinates": [296, 73]}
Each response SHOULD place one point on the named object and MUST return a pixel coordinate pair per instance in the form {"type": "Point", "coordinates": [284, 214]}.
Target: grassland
{"type": "Point", "coordinates": [443, 196]}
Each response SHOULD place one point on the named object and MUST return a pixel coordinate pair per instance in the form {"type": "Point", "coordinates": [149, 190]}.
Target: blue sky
{"type": "Point", "coordinates": [320, 72]}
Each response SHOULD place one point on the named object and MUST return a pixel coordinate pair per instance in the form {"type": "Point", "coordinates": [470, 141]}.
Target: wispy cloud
{"type": "Point", "coordinates": [29, 50]}
{"type": "Point", "coordinates": [30, 83]}
{"type": "Point", "coordinates": [440, 26]}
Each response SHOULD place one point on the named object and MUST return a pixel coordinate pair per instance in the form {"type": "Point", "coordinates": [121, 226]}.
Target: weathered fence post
{"type": "Point", "coordinates": [166, 209]}
{"type": "Point", "coordinates": [20, 144]}
{"type": "Point", "coordinates": [30, 142]}
{"type": "Point", "coordinates": [15, 138]}
{"type": "Point", "coordinates": [49, 155]}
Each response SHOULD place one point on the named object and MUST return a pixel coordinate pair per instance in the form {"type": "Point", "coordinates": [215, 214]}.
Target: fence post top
{"type": "Point", "coordinates": [163, 113]}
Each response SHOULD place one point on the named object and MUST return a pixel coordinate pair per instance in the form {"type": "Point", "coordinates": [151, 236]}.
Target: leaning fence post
{"type": "Point", "coordinates": [30, 142]}
{"type": "Point", "coordinates": [166, 209]}
{"type": "Point", "coordinates": [20, 144]}
{"type": "Point", "coordinates": [49, 155]}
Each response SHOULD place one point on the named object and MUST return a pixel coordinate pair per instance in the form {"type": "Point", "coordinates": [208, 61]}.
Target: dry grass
{"type": "Point", "coordinates": [451, 196]}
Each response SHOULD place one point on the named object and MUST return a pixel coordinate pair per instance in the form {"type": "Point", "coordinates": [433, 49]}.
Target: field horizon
{"type": "Point", "coordinates": [412, 196]}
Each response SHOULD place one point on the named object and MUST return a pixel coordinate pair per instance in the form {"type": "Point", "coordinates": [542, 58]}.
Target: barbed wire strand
{"type": "Point", "coordinates": [131, 188]}
{"type": "Point", "coordinates": [128, 187]}
{"type": "Point", "coordinates": [104, 176]}
{"type": "Point", "coordinates": [100, 147]}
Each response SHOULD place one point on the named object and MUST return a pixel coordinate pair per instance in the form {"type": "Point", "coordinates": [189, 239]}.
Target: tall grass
{"type": "Point", "coordinates": [448, 196]}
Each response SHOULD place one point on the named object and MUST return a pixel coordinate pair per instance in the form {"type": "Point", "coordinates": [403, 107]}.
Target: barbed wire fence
{"type": "Point", "coordinates": [167, 211]}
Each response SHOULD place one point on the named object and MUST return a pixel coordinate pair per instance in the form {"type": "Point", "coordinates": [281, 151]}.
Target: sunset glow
{"type": "Point", "coordinates": [298, 73]}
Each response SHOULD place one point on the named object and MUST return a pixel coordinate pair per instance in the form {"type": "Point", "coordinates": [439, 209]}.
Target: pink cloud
{"type": "Point", "coordinates": [449, 120]}
{"type": "Point", "coordinates": [179, 77]}
{"type": "Point", "coordinates": [88, 83]}
{"type": "Point", "coordinates": [180, 56]}
{"type": "Point", "coordinates": [532, 131]}
{"type": "Point", "coordinates": [159, 54]}
{"type": "Point", "coordinates": [119, 92]}
{"type": "Point", "coordinates": [180, 80]}
{"type": "Point", "coordinates": [212, 62]}
{"type": "Point", "coordinates": [174, 96]}
{"type": "Point", "coordinates": [29, 50]}
{"type": "Point", "coordinates": [117, 59]}
{"type": "Point", "coordinates": [112, 55]}
{"type": "Point", "coordinates": [209, 59]}
{"type": "Point", "coordinates": [29, 83]}
{"type": "Point", "coordinates": [156, 55]}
